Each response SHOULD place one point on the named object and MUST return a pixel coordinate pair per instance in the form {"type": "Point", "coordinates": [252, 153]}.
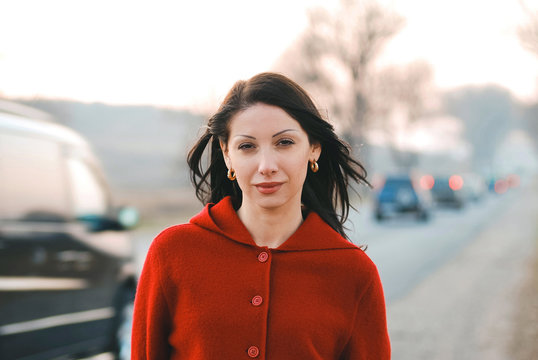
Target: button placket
{"type": "Point", "coordinates": [257, 300]}
{"type": "Point", "coordinates": [262, 257]}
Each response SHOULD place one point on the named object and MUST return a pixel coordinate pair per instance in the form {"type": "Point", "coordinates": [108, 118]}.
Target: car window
{"type": "Point", "coordinates": [394, 186]}
{"type": "Point", "coordinates": [88, 194]}
{"type": "Point", "coordinates": [32, 179]}
{"type": "Point", "coordinates": [398, 183]}
{"type": "Point", "coordinates": [441, 185]}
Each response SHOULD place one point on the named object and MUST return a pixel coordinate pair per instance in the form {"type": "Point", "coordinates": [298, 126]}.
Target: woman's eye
{"type": "Point", "coordinates": [245, 146]}
{"type": "Point", "coordinates": [286, 142]}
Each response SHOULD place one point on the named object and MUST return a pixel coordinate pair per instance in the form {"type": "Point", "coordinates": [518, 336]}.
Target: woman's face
{"type": "Point", "coordinates": [269, 152]}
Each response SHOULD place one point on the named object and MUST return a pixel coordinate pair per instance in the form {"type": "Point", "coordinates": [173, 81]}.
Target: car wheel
{"type": "Point", "coordinates": [423, 216]}
{"type": "Point", "coordinates": [379, 216]}
{"type": "Point", "coordinates": [122, 346]}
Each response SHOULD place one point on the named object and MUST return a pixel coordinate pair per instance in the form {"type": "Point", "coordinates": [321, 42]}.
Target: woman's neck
{"type": "Point", "coordinates": [270, 228]}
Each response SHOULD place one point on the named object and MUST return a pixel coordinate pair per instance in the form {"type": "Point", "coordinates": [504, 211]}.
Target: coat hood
{"type": "Point", "coordinates": [313, 234]}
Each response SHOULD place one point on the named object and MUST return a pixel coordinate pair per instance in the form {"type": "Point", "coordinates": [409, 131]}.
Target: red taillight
{"type": "Point", "coordinates": [501, 186]}
{"type": "Point", "coordinates": [455, 182]}
{"type": "Point", "coordinates": [427, 182]}
{"type": "Point", "coordinates": [513, 180]}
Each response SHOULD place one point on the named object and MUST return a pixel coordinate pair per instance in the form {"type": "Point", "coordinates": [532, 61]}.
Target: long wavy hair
{"type": "Point", "coordinates": [325, 192]}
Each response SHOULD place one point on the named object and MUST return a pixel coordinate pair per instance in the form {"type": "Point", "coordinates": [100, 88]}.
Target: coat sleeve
{"type": "Point", "coordinates": [152, 318]}
{"type": "Point", "coordinates": [369, 338]}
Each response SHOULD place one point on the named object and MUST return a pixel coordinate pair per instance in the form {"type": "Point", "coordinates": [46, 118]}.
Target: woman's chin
{"type": "Point", "coordinates": [274, 202]}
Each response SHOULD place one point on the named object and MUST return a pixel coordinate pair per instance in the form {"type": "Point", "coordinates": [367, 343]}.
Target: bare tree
{"type": "Point", "coordinates": [528, 34]}
{"type": "Point", "coordinates": [335, 55]}
{"type": "Point", "coordinates": [409, 86]}
{"type": "Point", "coordinates": [489, 113]}
{"type": "Point", "coordinates": [402, 94]}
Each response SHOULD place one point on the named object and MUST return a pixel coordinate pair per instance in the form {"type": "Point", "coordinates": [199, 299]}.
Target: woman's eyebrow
{"type": "Point", "coordinates": [283, 131]}
{"type": "Point", "coordinates": [253, 138]}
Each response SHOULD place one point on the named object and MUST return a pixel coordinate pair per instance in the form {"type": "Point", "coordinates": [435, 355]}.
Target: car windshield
{"type": "Point", "coordinates": [393, 186]}
{"type": "Point", "coordinates": [441, 185]}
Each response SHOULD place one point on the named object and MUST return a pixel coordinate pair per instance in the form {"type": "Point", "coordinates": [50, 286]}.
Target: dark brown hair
{"type": "Point", "coordinates": [323, 192]}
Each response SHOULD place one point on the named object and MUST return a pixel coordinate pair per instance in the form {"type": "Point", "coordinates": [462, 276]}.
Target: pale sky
{"type": "Point", "coordinates": [189, 53]}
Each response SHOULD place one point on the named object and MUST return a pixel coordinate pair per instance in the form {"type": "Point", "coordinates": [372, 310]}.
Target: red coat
{"type": "Point", "coordinates": [207, 291]}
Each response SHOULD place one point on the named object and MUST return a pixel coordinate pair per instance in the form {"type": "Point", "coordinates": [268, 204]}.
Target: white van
{"type": "Point", "coordinates": [67, 278]}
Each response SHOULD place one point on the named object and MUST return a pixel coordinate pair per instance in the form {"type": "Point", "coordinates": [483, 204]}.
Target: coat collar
{"type": "Point", "coordinates": [313, 234]}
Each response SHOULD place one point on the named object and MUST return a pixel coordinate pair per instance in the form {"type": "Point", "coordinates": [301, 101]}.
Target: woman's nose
{"type": "Point", "coordinates": [268, 163]}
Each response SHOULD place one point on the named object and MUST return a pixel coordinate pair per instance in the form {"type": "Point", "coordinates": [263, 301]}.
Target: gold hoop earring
{"type": "Point", "coordinates": [231, 174]}
{"type": "Point", "coordinates": [314, 166]}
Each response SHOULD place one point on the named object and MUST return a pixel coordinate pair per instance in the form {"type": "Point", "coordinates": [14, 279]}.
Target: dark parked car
{"type": "Point", "coordinates": [447, 192]}
{"type": "Point", "coordinates": [474, 187]}
{"type": "Point", "coordinates": [400, 196]}
{"type": "Point", "coordinates": [66, 273]}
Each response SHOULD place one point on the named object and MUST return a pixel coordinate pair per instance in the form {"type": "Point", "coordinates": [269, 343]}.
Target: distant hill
{"type": "Point", "coordinates": [140, 147]}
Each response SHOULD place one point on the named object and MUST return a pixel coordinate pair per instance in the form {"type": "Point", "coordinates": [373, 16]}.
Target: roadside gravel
{"type": "Point", "coordinates": [524, 343]}
{"type": "Point", "coordinates": [468, 309]}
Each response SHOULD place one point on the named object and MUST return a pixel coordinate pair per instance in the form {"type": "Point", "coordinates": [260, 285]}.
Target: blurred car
{"type": "Point", "coordinates": [67, 278]}
{"type": "Point", "coordinates": [447, 192]}
{"type": "Point", "coordinates": [474, 187]}
{"type": "Point", "coordinates": [400, 195]}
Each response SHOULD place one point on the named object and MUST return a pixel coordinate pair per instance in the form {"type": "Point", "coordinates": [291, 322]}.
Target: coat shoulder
{"type": "Point", "coordinates": [176, 232]}
{"type": "Point", "coordinates": [175, 237]}
{"type": "Point", "coordinates": [357, 262]}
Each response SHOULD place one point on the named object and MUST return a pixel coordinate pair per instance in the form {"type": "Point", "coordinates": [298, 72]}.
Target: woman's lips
{"type": "Point", "coordinates": [268, 188]}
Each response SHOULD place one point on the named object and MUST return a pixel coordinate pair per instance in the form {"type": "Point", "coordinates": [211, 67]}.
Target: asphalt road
{"type": "Point", "coordinates": [453, 285]}
{"type": "Point", "coordinates": [406, 251]}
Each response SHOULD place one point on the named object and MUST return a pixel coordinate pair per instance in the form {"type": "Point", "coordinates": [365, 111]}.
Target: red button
{"type": "Point", "coordinates": [257, 300]}
{"type": "Point", "coordinates": [263, 256]}
{"type": "Point", "coordinates": [253, 351]}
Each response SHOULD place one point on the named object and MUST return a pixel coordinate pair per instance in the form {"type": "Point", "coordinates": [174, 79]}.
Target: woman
{"type": "Point", "coordinates": [265, 270]}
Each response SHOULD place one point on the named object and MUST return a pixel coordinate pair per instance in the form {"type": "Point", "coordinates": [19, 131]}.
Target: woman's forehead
{"type": "Point", "coordinates": [263, 119]}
